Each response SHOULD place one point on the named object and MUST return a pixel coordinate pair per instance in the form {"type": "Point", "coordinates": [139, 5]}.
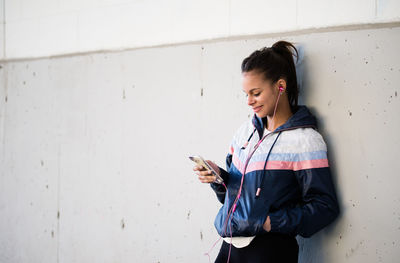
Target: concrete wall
{"type": "Point", "coordinates": [47, 27]}
{"type": "Point", "coordinates": [94, 148]}
{"type": "Point", "coordinates": [2, 29]}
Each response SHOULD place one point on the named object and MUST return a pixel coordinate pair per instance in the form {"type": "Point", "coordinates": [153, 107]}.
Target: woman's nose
{"type": "Point", "coordinates": [250, 100]}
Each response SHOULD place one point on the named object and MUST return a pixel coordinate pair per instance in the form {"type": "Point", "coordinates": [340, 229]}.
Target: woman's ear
{"type": "Point", "coordinates": [281, 85]}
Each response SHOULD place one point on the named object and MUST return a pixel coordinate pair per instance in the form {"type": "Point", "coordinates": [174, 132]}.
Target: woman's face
{"type": "Point", "coordinates": [261, 94]}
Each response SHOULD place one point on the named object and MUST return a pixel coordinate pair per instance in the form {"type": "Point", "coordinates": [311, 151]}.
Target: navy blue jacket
{"type": "Point", "coordinates": [286, 177]}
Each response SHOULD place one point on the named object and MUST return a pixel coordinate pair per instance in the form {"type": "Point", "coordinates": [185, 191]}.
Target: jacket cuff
{"type": "Point", "coordinates": [286, 221]}
{"type": "Point", "coordinates": [274, 221]}
{"type": "Point", "coordinates": [224, 174]}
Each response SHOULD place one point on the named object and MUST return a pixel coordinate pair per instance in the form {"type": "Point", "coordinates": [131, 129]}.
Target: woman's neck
{"type": "Point", "coordinates": [281, 116]}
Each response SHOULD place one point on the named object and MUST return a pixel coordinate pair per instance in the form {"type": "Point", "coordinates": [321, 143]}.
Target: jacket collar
{"type": "Point", "coordinates": [301, 118]}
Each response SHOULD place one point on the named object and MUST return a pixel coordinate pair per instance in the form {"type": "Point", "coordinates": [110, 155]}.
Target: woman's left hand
{"type": "Point", "coordinates": [267, 224]}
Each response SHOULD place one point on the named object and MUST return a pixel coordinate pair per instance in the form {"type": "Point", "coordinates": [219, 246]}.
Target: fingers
{"type": "Point", "coordinates": [198, 168]}
{"type": "Point", "coordinates": [204, 175]}
{"type": "Point", "coordinates": [267, 224]}
{"type": "Point", "coordinates": [207, 178]}
{"type": "Point", "coordinates": [203, 172]}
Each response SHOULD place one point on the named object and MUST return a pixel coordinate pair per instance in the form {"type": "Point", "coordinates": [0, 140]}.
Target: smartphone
{"type": "Point", "coordinates": [200, 161]}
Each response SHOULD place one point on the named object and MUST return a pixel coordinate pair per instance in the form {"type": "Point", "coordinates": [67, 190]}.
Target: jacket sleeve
{"type": "Point", "coordinates": [220, 189]}
{"type": "Point", "coordinates": [318, 206]}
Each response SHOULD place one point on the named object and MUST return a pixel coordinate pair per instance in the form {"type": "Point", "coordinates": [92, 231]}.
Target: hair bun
{"type": "Point", "coordinates": [285, 47]}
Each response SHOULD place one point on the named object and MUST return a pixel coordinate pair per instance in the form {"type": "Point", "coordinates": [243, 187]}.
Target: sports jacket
{"type": "Point", "coordinates": [286, 177]}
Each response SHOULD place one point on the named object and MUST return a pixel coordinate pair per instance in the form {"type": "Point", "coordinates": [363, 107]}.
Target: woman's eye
{"type": "Point", "coordinates": [256, 94]}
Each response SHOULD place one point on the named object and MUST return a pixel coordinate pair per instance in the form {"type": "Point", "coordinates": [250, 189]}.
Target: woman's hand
{"type": "Point", "coordinates": [204, 175]}
{"type": "Point", "coordinates": [267, 224]}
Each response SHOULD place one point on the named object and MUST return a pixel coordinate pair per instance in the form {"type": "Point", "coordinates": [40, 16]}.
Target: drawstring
{"type": "Point", "coordinates": [248, 140]}
{"type": "Point", "coordinates": [265, 164]}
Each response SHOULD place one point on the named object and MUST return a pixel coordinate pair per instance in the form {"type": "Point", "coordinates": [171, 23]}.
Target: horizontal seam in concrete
{"type": "Point", "coordinates": [281, 34]}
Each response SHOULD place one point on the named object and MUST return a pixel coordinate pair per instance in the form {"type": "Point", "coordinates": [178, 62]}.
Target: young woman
{"type": "Point", "coordinates": [278, 183]}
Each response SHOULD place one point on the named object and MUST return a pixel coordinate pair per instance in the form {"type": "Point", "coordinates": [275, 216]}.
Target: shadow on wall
{"type": "Point", "coordinates": [311, 250]}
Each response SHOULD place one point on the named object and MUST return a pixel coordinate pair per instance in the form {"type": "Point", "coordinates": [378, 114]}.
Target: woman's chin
{"type": "Point", "coordinates": [260, 115]}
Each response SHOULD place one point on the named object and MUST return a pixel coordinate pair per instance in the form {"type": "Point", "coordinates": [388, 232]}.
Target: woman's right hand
{"type": "Point", "coordinates": [204, 175]}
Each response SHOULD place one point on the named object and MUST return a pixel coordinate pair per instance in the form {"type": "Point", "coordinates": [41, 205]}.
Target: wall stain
{"type": "Point", "coordinates": [188, 215]}
{"type": "Point", "coordinates": [350, 113]}
{"type": "Point", "coordinates": [6, 99]}
{"type": "Point", "coordinates": [58, 214]}
{"type": "Point", "coordinates": [201, 236]}
{"type": "Point", "coordinates": [352, 250]}
{"type": "Point", "coordinates": [52, 233]}
{"type": "Point", "coordinates": [123, 94]}
{"type": "Point", "coordinates": [201, 92]}
{"type": "Point", "coordinates": [122, 223]}
{"type": "Point", "coordinates": [41, 162]}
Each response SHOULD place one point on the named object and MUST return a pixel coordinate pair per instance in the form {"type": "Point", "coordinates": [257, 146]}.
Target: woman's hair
{"type": "Point", "coordinates": [274, 63]}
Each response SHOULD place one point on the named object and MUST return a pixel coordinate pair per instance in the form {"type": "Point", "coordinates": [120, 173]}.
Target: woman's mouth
{"type": "Point", "coordinates": [257, 109]}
